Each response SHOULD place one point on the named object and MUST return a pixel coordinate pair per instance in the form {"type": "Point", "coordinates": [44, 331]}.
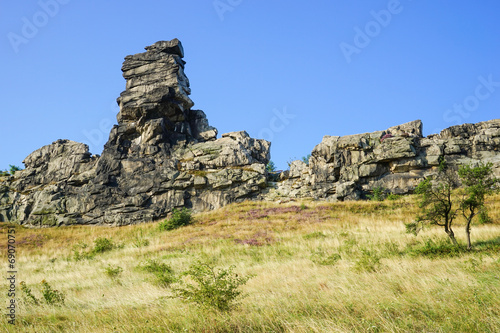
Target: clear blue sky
{"type": "Point", "coordinates": [290, 71]}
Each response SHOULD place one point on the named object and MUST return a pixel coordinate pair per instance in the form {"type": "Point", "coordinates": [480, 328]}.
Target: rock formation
{"type": "Point", "coordinates": [161, 155]}
{"type": "Point", "coordinates": [397, 159]}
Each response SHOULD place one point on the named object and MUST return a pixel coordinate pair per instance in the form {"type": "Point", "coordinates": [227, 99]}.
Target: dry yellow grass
{"type": "Point", "coordinates": [317, 266]}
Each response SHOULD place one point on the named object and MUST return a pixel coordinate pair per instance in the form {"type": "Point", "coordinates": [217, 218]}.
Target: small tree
{"type": "Point", "coordinates": [13, 169]}
{"type": "Point", "coordinates": [306, 158]}
{"type": "Point", "coordinates": [215, 288]}
{"type": "Point", "coordinates": [478, 182]}
{"type": "Point", "coordinates": [436, 201]}
{"type": "Point", "coordinates": [270, 167]}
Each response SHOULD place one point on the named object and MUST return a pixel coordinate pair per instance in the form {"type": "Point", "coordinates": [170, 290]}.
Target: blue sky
{"type": "Point", "coordinates": [288, 71]}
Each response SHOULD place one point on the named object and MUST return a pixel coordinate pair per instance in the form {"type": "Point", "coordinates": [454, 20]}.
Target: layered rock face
{"type": "Point", "coordinates": [397, 159]}
{"type": "Point", "coordinates": [161, 155]}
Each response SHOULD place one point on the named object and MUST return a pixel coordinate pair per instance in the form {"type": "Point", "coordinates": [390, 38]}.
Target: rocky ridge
{"type": "Point", "coordinates": [163, 154]}
{"type": "Point", "coordinates": [397, 159]}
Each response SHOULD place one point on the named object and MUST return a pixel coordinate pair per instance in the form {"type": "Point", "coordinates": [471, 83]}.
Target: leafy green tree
{"type": "Point", "coordinates": [305, 159]}
{"type": "Point", "coordinates": [270, 167]}
{"type": "Point", "coordinates": [436, 201]}
{"type": "Point", "coordinates": [478, 183]}
{"type": "Point", "coordinates": [13, 169]}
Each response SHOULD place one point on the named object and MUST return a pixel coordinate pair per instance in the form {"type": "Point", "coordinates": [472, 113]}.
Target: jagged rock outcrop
{"type": "Point", "coordinates": [161, 155]}
{"type": "Point", "coordinates": [397, 159]}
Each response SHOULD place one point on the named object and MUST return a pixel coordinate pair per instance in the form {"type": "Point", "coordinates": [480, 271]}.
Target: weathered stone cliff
{"type": "Point", "coordinates": [396, 159]}
{"type": "Point", "coordinates": [161, 155]}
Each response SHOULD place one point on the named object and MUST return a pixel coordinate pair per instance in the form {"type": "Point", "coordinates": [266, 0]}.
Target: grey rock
{"type": "Point", "coordinates": [161, 155]}
{"type": "Point", "coordinates": [396, 159]}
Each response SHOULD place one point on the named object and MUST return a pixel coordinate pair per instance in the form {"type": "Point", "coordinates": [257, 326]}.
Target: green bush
{"type": "Point", "coordinates": [164, 274]}
{"type": "Point", "coordinates": [392, 196]}
{"type": "Point", "coordinates": [270, 167]}
{"type": "Point", "coordinates": [13, 169]}
{"type": "Point", "coordinates": [315, 234]}
{"type": "Point", "coordinates": [368, 261]}
{"type": "Point", "coordinates": [484, 218]}
{"type": "Point", "coordinates": [378, 194]}
{"type": "Point", "coordinates": [80, 252]}
{"type": "Point", "coordinates": [51, 296]}
{"type": "Point", "coordinates": [435, 249]}
{"type": "Point", "coordinates": [180, 218]}
{"type": "Point", "coordinates": [212, 288]}
{"type": "Point", "coordinates": [28, 295]}
{"type": "Point", "coordinates": [113, 271]}
{"type": "Point", "coordinates": [102, 244]}
{"type": "Point", "coordinates": [321, 257]}
{"type": "Point", "coordinates": [139, 240]}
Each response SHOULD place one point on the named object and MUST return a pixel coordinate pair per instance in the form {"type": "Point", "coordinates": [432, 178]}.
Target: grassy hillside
{"type": "Point", "coordinates": [316, 267]}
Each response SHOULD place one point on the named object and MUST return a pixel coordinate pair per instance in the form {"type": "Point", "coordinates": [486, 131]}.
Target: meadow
{"type": "Point", "coordinates": [313, 266]}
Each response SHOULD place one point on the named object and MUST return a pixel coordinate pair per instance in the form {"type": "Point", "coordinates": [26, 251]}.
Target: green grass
{"type": "Point", "coordinates": [332, 267]}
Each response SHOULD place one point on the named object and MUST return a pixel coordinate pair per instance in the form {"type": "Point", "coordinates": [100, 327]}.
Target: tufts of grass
{"type": "Point", "coordinates": [375, 277]}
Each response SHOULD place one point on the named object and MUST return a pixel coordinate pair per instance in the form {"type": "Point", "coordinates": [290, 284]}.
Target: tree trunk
{"type": "Point", "coordinates": [467, 232]}
{"type": "Point", "coordinates": [451, 234]}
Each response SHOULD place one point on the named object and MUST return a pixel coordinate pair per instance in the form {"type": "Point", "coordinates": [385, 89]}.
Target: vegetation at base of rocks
{"type": "Point", "coordinates": [332, 267]}
{"type": "Point", "coordinates": [180, 218]}
{"type": "Point", "coordinates": [210, 287]}
{"type": "Point", "coordinates": [378, 194]}
{"type": "Point", "coordinates": [392, 196]}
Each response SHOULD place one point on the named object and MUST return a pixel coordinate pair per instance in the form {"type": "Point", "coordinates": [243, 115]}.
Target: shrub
{"type": "Point", "coordinates": [28, 295]}
{"type": "Point", "coordinates": [484, 217]}
{"type": "Point", "coordinates": [180, 218]}
{"type": "Point", "coordinates": [321, 257]}
{"type": "Point", "coordinates": [392, 196]}
{"type": "Point", "coordinates": [315, 234]}
{"type": "Point", "coordinates": [213, 288]}
{"type": "Point", "coordinates": [368, 261]}
{"type": "Point", "coordinates": [163, 273]}
{"type": "Point", "coordinates": [51, 296]}
{"type": "Point", "coordinates": [270, 167]}
{"type": "Point", "coordinates": [139, 240]}
{"type": "Point", "coordinates": [113, 271]}
{"type": "Point", "coordinates": [102, 244]}
{"type": "Point", "coordinates": [378, 194]}
{"type": "Point", "coordinates": [13, 169]}
{"type": "Point", "coordinates": [79, 252]}
{"type": "Point", "coordinates": [435, 249]}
